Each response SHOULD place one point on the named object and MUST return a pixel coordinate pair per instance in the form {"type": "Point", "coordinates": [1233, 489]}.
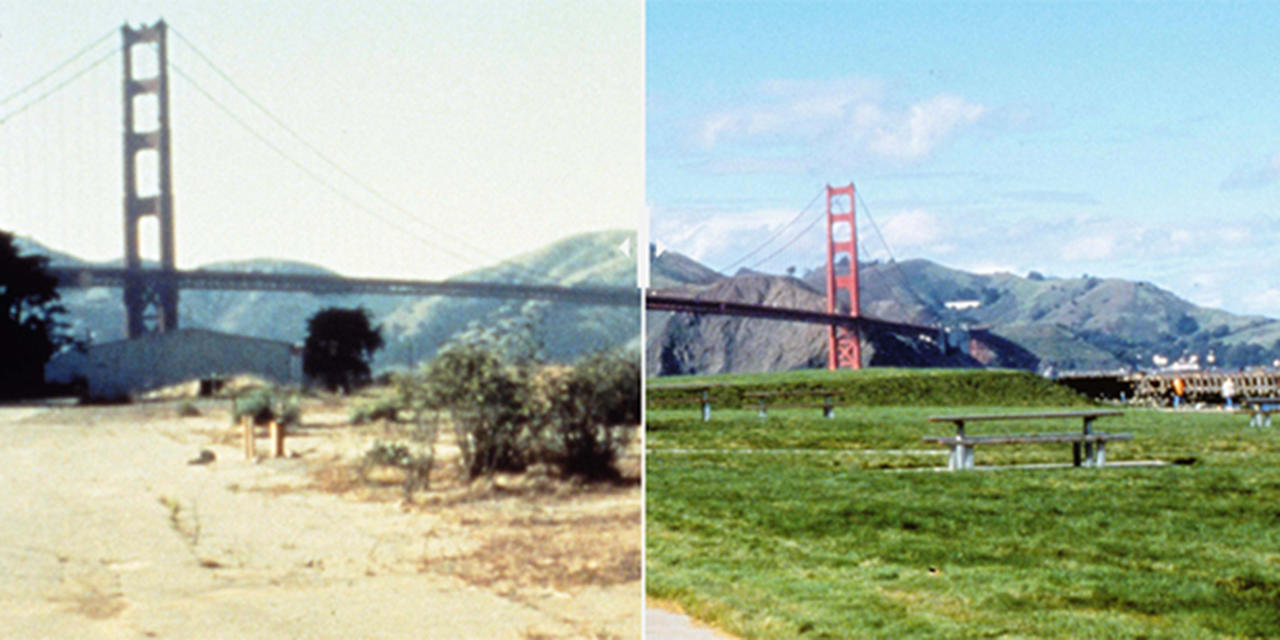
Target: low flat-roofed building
{"type": "Point", "coordinates": [126, 368]}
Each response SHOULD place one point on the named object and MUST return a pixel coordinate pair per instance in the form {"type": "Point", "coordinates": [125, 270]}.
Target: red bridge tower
{"type": "Point", "coordinates": [844, 345]}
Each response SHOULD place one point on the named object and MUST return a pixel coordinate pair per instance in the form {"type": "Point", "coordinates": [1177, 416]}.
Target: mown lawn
{"type": "Point", "coordinates": [797, 526]}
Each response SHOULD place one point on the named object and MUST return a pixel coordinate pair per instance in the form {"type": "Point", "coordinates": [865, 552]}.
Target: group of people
{"type": "Point", "coordinates": [1180, 392]}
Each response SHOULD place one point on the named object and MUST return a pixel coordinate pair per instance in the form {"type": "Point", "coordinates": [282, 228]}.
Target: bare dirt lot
{"type": "Point", "coordinates": [106, 531]}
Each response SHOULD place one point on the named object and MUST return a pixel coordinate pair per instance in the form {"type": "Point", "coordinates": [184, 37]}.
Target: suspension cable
{"type": "Point", "coordinates": [75, 56]}
{"type": "Point", "coordinates": [897, 268]}
{"type": "Point", "coordinates": [790, 242]}
{"type": "Point", "coordinates": [773, 236]}
{"type": "Point", "coordinates": [315, 177]}
{"type": "Point", "coordinates": [58, 87]}
{"type": "Point", "coordinates": [348, 174]}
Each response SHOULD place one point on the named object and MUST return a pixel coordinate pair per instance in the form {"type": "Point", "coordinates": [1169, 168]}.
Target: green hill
{"type": "Point", "coordinates": [413, 328]}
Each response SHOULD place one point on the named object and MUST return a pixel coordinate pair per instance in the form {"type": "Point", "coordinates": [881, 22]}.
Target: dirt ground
{"type": "Point", "coordinates": [106, 531]}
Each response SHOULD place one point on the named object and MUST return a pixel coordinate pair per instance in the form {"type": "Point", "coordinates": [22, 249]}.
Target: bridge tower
{"type": "Point", "coordinates": [844, 345]}
{"type": "Point", "coordinates": [150, 295]}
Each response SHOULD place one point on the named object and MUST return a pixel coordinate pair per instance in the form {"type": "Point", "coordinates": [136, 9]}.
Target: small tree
{"type": "Point", "coordinates": [31, 328]}
{"type": "Point", "coordinates": [489, 402]}
{"type": "Point", "coordinates": [340, 343]}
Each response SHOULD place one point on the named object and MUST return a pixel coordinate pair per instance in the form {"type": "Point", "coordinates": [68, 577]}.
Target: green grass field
{"type": "Point", "coordinates": [798, 526]}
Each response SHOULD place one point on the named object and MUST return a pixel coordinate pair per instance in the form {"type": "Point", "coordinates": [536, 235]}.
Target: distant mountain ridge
{"type": "Point", "coordinates": [413, 328]}
{"type": "Point", "coordinates": [1087, 323]}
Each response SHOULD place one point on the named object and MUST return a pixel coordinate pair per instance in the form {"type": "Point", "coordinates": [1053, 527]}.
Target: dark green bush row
{"type": "Point", "coordinates": [872, 387]}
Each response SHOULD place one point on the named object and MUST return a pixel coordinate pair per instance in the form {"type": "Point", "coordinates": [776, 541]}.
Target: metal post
{"type": "Point", "coordinates": [1088, 446]}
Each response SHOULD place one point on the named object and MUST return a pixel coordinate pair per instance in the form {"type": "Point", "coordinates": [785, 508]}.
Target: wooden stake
{"type": "Point", "coordinates": [277, 439]}
{"type": "Point", "coordinates": [246, 436]}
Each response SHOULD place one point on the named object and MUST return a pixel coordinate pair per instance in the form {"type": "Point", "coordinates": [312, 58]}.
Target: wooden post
{"type": "Point", "coordinates": [277, 439]}
{"type": "Point", "coordinates": [246, 436]}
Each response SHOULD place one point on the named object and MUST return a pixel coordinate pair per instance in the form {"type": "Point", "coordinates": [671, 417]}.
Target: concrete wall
{"type": "Point", "coordinates": [128, 367]}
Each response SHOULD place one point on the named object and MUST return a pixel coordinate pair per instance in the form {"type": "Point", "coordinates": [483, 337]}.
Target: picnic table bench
{"type": "Point", "coordinates": [699, 394]}
{"type": "Point", "coordinates": [1093, 443]}
{"type": "Point", "coordinates": [827, 406]}
{"type": "Point", "coordinates": [1260, 410]}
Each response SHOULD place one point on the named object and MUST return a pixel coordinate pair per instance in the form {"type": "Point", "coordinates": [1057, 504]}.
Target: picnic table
{"type": "Point", "coordinates": [1093, 443]}
{"type": "Point", "coordinates": [699, 393]}
{"type": "Point", "coordinates": [827, 406]}
{"type": "Point", "coordinates": [1260, 409]}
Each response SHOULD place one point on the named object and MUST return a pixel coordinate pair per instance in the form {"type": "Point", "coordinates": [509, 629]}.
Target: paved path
{"type": "Point", "coordinates": [664, 625]}
{"type": "Point", "coordinates": [107, 532]}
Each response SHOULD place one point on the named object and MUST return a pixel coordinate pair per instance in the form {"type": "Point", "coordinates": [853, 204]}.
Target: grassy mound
{"type": "Point", "coordinates": [870, 387]}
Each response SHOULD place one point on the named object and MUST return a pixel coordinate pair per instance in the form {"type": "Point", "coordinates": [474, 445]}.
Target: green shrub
{"type": "Point", "coordinates": [289, 411]}
{"type": "Point", "coordinates": [416, 466]}
{"type": "Point", "coordinates": [591, 412]}
{"type": "Point", "coordinates": [489, 401]}
{"type": "Point", "coordinates": [264, 405]}
{"type": "Point", "coordinates": [387, 454]}
{"type": "Point", "coordinates": [872, 387]}
{"type": "Point", "coordinates": [382, 408]}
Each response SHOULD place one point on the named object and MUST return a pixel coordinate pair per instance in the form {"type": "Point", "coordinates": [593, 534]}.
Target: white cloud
{"type": "Point", "coordinates": [990, 268]}
{"type": "Point", "coordinates": [853, 112]}
{"type": "Point", "coordinates": [1181, 239]}
{"type": "Point", "coordinates": [913, 228]}
{"type": "Point", "coordinates": [1267, 301]}
{"type": "Point", "coordinates": [1099, 247]}
{"type": "Point", "coordinates": [914, 134]}
{"type": "Point", "coordinates": [722, 235]}
{"type": "Point", "coordinates": [1234, 235]}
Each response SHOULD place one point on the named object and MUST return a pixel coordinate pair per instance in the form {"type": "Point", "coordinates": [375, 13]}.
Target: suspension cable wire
{"type": "Point", "coordinates": [348, 174]}
{"type": "Point", "coordinates": [58, 87]}
{"type": "Point", "coordinates": [62, 65]}
{"type": "Point", "coordinates": [895, 267]}
{"type": "Point", "coordinates": [773, 236]}
{"type": "Point", "coordinates": [792, 241]}
{"type": "Point", "coordinates": [315, 177]}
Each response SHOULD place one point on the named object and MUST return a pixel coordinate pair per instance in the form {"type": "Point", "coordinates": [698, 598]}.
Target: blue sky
{"type": "Point", "coordinates": [486, 128]}
{"type": "Point", "coordinates": [1134, 140]}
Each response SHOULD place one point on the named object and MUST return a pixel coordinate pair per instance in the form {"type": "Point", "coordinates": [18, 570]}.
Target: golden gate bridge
{"type": "Point", "coordinates": [150, 293]}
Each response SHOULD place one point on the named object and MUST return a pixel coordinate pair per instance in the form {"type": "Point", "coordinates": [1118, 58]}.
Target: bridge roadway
{"type": "Point", "coordinates": [87, 277]}
{"type": "Point", "coordinates": [661, 302]}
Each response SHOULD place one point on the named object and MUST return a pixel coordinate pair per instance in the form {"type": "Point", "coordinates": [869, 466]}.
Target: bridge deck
{"type": "Point", "coordinates": [115, 277]}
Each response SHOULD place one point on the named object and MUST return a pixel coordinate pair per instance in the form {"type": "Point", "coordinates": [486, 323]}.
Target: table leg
{"type": "Point", "coordinates": [1088, 446]}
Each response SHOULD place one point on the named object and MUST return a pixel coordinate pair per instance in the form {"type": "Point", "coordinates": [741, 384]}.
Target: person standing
{"type": "Point", "coordinates": [1228, 391]}
{"type": "Point", "coordinates": [1179, 390]}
